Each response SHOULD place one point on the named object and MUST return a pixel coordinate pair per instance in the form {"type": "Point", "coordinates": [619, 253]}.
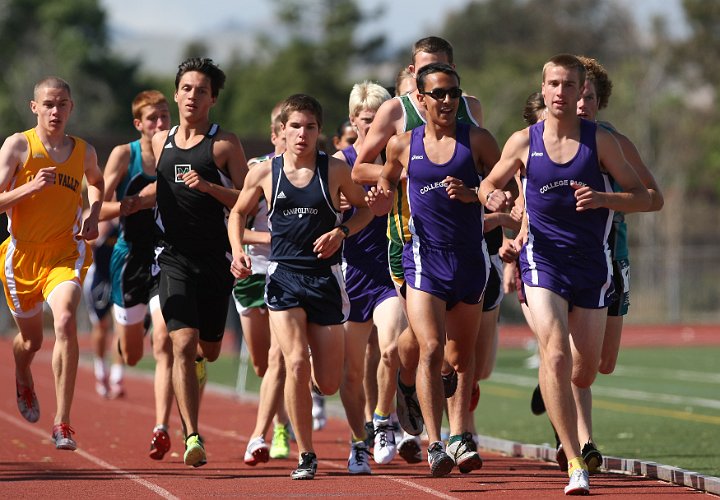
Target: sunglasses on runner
{"type": "Point", "coordinates": [439, 94]}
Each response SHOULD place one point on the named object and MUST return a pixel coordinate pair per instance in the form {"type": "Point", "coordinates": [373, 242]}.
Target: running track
{"type": "Point", "coordinates": [113, 438]}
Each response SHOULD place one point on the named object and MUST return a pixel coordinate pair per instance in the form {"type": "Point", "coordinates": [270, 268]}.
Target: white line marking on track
{"type": "Point", "coordinates": [615, 392]}
{"type": "Point", "coordinates": [158, 490]}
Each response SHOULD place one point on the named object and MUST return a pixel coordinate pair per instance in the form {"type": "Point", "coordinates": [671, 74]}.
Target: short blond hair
{"type": "Point", "coordinates": [569, 62]}
{"type": "Point", "coordinates": [367, 95]}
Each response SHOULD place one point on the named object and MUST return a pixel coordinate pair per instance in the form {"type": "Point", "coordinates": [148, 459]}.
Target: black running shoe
{"type": "Point", "coordinates": [537, 404]}
{"type": "Point", "coordinates": [593, 458]}
{"type": "Point", "coordinates": [408, 409]}
{"type": "Point", "coordinates": [307, 466]}
{"type": "Point", "coordinates": [450, 382]}
{"type": "Point", "coordinates": [440, 462]}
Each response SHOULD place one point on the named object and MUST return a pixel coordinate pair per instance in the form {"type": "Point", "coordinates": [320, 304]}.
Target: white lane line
{"type": "Point", "coordinates": [655, 373]}
{"type": "Point", "coordinates": [616, 392]}
{"type": "Point", "coordinates": [158, 490]}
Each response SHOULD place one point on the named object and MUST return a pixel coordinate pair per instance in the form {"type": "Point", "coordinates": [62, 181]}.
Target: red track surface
{"type": "Point", "coordinates": [113, 439]}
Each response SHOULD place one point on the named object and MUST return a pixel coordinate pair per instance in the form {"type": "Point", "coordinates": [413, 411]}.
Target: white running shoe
{"type": "Point", "coordinates": [257, 451]}
{"type": "Point", "coordinates": [579, 483]}
{"type": "Point", "coordinates": [384, 449]}
{"type": "Point", "coordinates": [358, 460]}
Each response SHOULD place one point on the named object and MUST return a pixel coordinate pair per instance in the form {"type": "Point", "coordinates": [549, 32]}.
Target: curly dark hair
{"type": "Point", "coordinates": [596, 73]}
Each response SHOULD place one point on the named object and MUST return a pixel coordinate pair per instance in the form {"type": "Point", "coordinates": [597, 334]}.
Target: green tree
{"type": "Point", "coordinates": [316, 49]}
{"type": "Point", "coordinates": [69, 39]}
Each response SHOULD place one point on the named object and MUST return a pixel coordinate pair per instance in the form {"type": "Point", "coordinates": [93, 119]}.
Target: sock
{"type": "Point", "coordinates": [160, 427]}
{"type": "Point", "coordinates": [116, 373]}
{"type": "Point", "coordinates": [378, 415]}
{"type": "Point", "coordinates": [356, 440]}
{"type": "Point", "coordinates": [576, 463]}
{"type": "Point", "coordinates": [100, 368]}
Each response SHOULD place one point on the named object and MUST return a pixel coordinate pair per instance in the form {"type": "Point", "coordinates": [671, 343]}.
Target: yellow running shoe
{"type": "Point", "coordinates": [280, 442]}
{"type": "Point", "coordinates": [194, 451]}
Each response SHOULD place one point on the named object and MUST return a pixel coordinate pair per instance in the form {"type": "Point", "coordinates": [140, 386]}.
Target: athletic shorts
{"type": "Point", "coordinates": [583, 280]}
{"type": "Point", "coordinates": [31, 271]}
{"type": "Point", "coordinates": [96, 292]}
{"type": "Point", "coordinates": [249, 293]}
{"type": "Point", "coordinates": [621, 280]}
{"type": "Point", "coordinates": [451, 275]}
{"type": "Point", "coordinates": [494, 290]}
{"type": "Point", "coordinates": [194, 291]}
{"type": "Point", "coordinates": [321, 294]}
{"type": "Point", "coordinates": [366, 290]}
{"type": "Point", "coordinates": [395, 262]}
{"type": "Point", "coordinates": [131, 276]}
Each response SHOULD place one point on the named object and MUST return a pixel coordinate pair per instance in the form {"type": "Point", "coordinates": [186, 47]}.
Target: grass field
{"type": "Point", "coordinates": [661, 404]}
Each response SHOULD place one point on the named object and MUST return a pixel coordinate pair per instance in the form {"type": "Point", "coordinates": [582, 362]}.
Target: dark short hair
{"type": "Point", "coordinates": [205, 66]}
{"type": "Point", "coordinates": [301, 102]}
{"type": "Point", "coordinates": [432, 45]}
{"type": "Point", "coordinates": [434, 68]}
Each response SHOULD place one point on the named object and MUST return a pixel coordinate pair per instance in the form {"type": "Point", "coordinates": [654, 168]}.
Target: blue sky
{"type": "Point", "coordinates": [156, 32]}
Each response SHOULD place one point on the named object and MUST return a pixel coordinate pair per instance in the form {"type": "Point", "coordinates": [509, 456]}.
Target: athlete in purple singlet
{"type": "Point", "coordinates": [373, 301]}
{"type": "Point", "coordinates": [565, 261]}
{"type": "Point", "coordinates": [446, 262]}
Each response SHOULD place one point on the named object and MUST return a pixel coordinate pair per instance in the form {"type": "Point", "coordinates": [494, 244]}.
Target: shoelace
{"type": "Point", "coordinates": [280, 433]}
{"type": "Point", "coordinates": [382, 430]}
{"type": "Point", "coordinates": [64, 430]}
{"type": "Point", "coordinates": [27, 395]}
{"type": "Point", "coordinates": [359, 455]}
{"type": "Point", "coordinates": [307, 462]}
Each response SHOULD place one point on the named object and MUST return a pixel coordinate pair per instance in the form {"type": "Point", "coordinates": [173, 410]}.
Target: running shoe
{"type": "Point", "coordinates": [440, 463]}
{"type": "Point", "coordinates": [160, 443]}
{"type": "Point", "coordinates": [194, 451]}
{"type": "Point", "coordinates": [257, 452]}
{"type": "Point", "coordinates": [201, 372]}
{"type": "Point", "coordinates": [358, 461]}
{"type": "Point", "coordinates": [450, 382]}
{"type": "Point", "coordinates": [579, 483]}
{"type": "Point", "coordinates": [384, 448]}
{"type": "Point", "coordinates": [474, 397]}
{"type": "Point", "coordinates": [561, 458]}
{"type": "Point", "coordinates": [280, 447]}
{"type": "Point", "coordinates": [27, 402]}
{"type": "Point", "coordinates": [537, 404]}
{"type": "Point", "coordinates": [408, 409]}
{"type": "Point", "coordinates": [307, 466]}
{"type": "Point", "coordinates": [593, 458]}
{"type": "Point", "coordinates": [461, 448]}
{"type": "Point", "coordinates": [101, 387]}
{"type": "Point", "coordinates": [62, 435]}
{"type": "Point", "coordinates": [318, 411]}
{"type": "Point", "coordinates": [409, 449]}
{"type": "Point", "coordinates": [116, 390]}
